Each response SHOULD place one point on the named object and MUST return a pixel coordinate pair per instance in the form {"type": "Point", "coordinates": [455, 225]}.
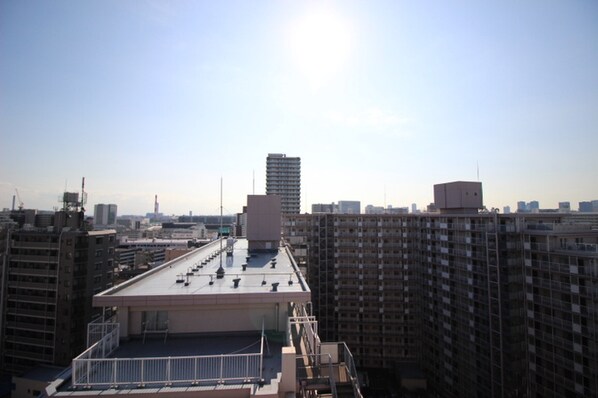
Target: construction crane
{"type": "Point", "coordinates": [21, 204]}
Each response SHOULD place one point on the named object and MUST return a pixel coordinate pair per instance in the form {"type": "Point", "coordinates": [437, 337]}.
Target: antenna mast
{"type": "Point", "coordinates": [220, 271]}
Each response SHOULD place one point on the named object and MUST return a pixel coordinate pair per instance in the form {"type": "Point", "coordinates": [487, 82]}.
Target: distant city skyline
{"type": "Point", "coordinates": [380, 100]}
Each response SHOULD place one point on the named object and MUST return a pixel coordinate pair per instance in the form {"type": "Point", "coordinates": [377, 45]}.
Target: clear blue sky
{"type": "Point", "coordinates": [380, 99]}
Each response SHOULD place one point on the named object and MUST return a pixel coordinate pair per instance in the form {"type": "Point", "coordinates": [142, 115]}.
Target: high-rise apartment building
{"type": "Point", "coordinates": [479, 300]}
{"type": "Point", "coordinates": [104, 214]}
{"type": "Point", "coordinates": [561, 322]}
{"type": "Point", "coordinates": [283, 178]}
{"type": "Point", "coordinates": [48, 278]}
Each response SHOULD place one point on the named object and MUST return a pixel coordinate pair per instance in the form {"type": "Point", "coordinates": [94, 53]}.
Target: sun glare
{"type": "Point", "coordinates": [320, 44]}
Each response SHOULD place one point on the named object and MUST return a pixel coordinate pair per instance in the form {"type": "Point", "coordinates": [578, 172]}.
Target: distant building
{"type": "Point", "coordinates": [104, 214]}
{"type": "Point", "coordinates": [521, 207]}
{"type": "Point", "coordinates": [324, 208]}
{"type": "Point", "coordinates": [585, 207]}
{"type": "Point", "coordinates": [564, 207]}
{"type": "Point", "coordinates": [283, 178]}
{"type": "Point", "coordinates": [349, 207]}
{"type": "Point", "coordinates": [506, 210]}
{"type": "Point", "coordinates": [396, 210]}
{"type": "Point", "coordinates": [533, 206]}
{"type": "Point", "coordinates": [371, 209]}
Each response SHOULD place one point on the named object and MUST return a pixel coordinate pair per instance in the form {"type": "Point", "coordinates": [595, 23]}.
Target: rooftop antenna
{"type": "Point", "coordinates": [478, 170]}
{"type": "Point", "coordinates": [220, 271]}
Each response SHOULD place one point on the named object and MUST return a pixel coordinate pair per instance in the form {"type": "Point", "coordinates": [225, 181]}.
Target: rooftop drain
{"type": "Point", "coordinates": [180, 278]}
{"type": "Point", "coordinates": [290, 279]}
{"type": "Point", "coordinates": [275, 287]}
{"type": "Point", "coordinates": [264, 280]}
{"type": "Point", "coordinates": [236, 282]}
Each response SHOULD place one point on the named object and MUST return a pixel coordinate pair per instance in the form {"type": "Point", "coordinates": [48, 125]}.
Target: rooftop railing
{"type": "Point", "coordinates": [166, 371]}
{"type": "Point", "coordinates": [93, 368]}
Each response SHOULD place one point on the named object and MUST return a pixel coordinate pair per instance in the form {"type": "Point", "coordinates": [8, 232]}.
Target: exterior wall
{"type": "Point", "coordinates": [210, 319]}
{"type": "Point", "coordinates": [458, 195]}
{"type": "Point", "coordinates": [27, 388]}
{"type": "Point", "coordinates": [263, 221]}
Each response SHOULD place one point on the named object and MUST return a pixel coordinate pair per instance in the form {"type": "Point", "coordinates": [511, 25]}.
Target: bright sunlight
{"type": "Point", "coordinates": [320, 43]}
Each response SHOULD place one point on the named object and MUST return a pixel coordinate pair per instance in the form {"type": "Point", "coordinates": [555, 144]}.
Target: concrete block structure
{"type": "Point", "coordinates": [263, 222]}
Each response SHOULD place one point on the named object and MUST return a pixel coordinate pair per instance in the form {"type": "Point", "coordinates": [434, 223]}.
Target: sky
{"type": "Point", "coordinates": [380, 99]}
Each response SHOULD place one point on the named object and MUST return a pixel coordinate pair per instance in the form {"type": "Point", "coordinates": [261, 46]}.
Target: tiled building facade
{"type": "Point", "coordinates": [452, 293]}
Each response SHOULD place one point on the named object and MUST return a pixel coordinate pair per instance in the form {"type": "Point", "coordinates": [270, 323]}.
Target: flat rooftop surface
{"type": "Point", "coordinates": [195, 274]}
{"type": "Point", "coordinates": [202, 344]}
{"type": "Point", "coordinates": [156, 350]}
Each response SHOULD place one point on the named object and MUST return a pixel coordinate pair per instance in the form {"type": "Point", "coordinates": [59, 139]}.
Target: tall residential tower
{"type": "Point", "coordinates": [283, 178]}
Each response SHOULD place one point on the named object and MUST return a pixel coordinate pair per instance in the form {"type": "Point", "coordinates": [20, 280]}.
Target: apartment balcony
{"type": "Point", "coordinates": [32, 272]}
{"type": "Point", "coordinates": [33, 245]}
{"type": "Point", "coordinates": [43, 343]}
{"type": "Point", "coordinates": [29, 312]}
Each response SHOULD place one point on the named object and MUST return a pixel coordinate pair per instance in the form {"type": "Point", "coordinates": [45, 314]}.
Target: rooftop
{"type": "Point", "coordinates": [192, 279]}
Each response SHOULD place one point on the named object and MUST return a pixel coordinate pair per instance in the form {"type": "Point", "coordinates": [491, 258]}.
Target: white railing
{"type": "Point", "coordinates": [139, 372]}
{"type": "Point", "coordinates": [93, 368]}
{"type": "Point", "coordinates": [98, 330]}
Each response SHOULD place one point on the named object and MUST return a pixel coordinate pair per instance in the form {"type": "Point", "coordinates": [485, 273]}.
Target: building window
{"type": "Point", "coordinates": [154, 320]}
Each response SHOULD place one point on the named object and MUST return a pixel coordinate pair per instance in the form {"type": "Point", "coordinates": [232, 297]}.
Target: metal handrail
{"type": "Point", "coordinates": [139, 372]}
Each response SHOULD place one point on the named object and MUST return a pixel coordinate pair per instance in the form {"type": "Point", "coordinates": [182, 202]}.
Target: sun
{"type": "Point", "coordinates": [320, 44]}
